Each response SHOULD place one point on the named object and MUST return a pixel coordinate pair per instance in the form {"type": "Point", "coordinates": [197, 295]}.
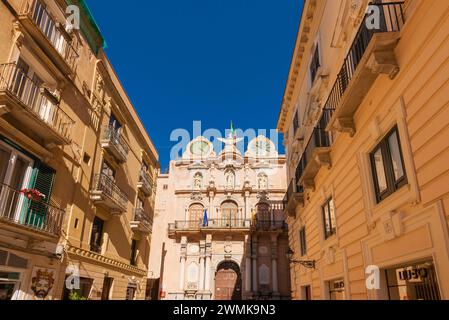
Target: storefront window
{"type": "Point", "coordinates": [337, 290]}
{"type": "Point", "coordinates": [413, 282]}
{"type": "Point", "coordinates": [9, 282]}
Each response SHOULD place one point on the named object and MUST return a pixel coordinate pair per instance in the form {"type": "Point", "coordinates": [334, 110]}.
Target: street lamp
{"type": "Point", "coordinates": [309, 264]}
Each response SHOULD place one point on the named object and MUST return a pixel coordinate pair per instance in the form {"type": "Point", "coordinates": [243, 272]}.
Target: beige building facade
{"type": "Point", "coordinates": [77, 168]}
{"type": "Point", "coordinates": [366, 131]}
{"type": "Point", "coordinates": [219, 227]}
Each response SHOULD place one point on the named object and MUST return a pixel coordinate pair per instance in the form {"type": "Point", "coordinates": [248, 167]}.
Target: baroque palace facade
{"type": "Point", "coordinates": [366, 123]}
{"type": "Point", "coordinates": [219, 226]}
{"type": "Point", "coordinates": [76, 164]}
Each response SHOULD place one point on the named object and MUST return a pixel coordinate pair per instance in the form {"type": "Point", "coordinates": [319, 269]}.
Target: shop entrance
{"type": "Point", "coordinates": [416, 281]}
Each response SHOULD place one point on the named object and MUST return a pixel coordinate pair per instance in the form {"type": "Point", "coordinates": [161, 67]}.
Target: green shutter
{"type": "Point", "coordinates": [43, 180]}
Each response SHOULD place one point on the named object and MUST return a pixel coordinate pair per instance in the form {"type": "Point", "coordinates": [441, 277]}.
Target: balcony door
{"type": "Point", "coordinates": [26, 85]}
{"type": "Point", "coordinates": [263, 216]}
{"type": "Point", "coordinates": [15, 174]}
{"type": "Point", "coordinates": [196, 213]}
{"type": "Point", "coordinates": [45, 22]}
{"type": "Point", "coordinates": [229, 214]}
{"type": "Point", "coordinates": [115, 125]}
{"type": "Point", "coordinates": [96, 238]}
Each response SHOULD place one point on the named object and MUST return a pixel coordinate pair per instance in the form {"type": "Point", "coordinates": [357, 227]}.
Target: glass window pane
{"type": "Point", "coordinates": [413, 282]}
{"type": "Point", "coordinates": [396, 156]}
{"type": "Point", "coordinates": [380, 170]}
{"type": "Point", "coordinates": [332, 216]}
{"type": "Point", "coordinates": [5, 155]}
{"type": "Point", "coordinates": [326, 220]}
{"type": "Point", "coordinates": [17, 262]}
{"type": "Point", "coordinates": [3, 256]}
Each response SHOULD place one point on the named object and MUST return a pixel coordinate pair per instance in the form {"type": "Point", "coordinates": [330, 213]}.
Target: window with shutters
{"type": "Point", "coordinates": [19, 172]}
{"type": "Point", "coordinates": [45, 178]}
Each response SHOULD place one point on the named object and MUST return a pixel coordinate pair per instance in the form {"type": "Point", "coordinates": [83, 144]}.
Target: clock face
{"type": "Point", "coordinates": [261, 147]}
{"type": "Point", "coordinates": [200, 148]}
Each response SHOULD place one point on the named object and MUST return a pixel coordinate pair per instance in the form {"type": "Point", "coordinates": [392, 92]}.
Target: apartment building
{"type": "Point", "coordinates": [365, 118]}
{"type": "Point", "coordinates": [219, 227]}
{"type": "Point", "coordinates": [77, 168]}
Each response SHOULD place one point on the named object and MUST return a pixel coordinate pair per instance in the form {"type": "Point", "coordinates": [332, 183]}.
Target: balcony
{"type": "Point", "coordinates": [316, 153]}
{"type": "Point", "coordinates": [371, 54]}
{"type": "Point", "coordinates": [145, 183]}
{"type": "Point", "coordinates": [50, 35]}
{"type": "Point", "coordinates": [270, 225]}
{"type": "Point", "coordinates": [142, 222]}
{"type": "Point", "coordinates": [106, 194]}
{"type": "Point", "coordinates": [213, 225]}
{"type": "Point", "coordinates": [26, 215]}
{"type": "Point", "coordinates": [293, 198]}
{"type": "Point", "coordinates": [114, 143]}
{"type": "Point", "coordinates": [30, 106]}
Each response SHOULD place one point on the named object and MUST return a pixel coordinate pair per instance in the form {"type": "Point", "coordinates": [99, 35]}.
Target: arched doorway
{"type": "Point", "coordinates": [196, 212]}
{"type": "Point", "coordinates": [229, 214]}
{"type": "Point", "coordinates": [228, 282]}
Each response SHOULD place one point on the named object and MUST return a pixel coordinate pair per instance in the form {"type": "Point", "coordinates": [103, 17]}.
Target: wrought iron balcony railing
{"type": "Point", "coordinates": [19, 209]}
{"type": "Point", "coordinates": [142, 217]}
{"type": "Point", "coordinates": [35, 99]}
{"type": "Point", "coordinates": [210, 225]}
{"type": "Point", "coordinates": [391, 21]}
{"type": "Point", "coordinates": [53, 31]}
{"type": "Point", "coordinates": [270, 225]}
{"type": "Point", "coordinates": [115, 143]}
{"type": "Point", "coordinates": [106, 191]}
{"type": "Point", "coordinates": [320, 138]}
{"type": "Point", "coordinates": [293, 197]}
{"type": "Point", "coordinates": [145, 182]}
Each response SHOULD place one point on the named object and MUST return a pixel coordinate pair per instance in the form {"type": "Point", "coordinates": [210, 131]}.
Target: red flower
{"type": "Point", "coordinates": [33, 194]}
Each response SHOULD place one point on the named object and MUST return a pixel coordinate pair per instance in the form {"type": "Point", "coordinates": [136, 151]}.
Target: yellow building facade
{"type": "Point", "coordinates": [76, 164]}
{"type": "Point", "coordinates": [365, 118]}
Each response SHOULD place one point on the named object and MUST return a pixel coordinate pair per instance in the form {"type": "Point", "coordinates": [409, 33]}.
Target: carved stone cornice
{"type": "Point", "coordinates": [98, 258]}
{"type": "Point", "coordinates": [297, 60]}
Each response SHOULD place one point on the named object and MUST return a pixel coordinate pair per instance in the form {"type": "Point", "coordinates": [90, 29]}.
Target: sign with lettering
{"type": "Point", "coordinates": [413, 273]}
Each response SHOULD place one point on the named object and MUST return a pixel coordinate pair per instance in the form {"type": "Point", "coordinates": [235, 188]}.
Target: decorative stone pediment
{"type": "Point", "coordinates": [262, 196]}
{"type": "Point", "coordinates": [196, 196]}
{"type": "Point", "coordinates": [349, 18]}
{"type": "Point", "coordinates": [198, 166]}
{"type": "Point", "coordinates": [315, 98]}
{"type": "Point", "coordinates": [297, 145]}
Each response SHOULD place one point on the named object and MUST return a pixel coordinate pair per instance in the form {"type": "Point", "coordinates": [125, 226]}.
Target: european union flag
{"type": "Point", "coordinates": [205, 219]}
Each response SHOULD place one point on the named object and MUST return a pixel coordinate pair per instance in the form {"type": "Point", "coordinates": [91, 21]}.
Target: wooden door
{"type": "Point", "coordinates": [263, 216]}
{"type": "Point", "coordinates": [228, 284]}
{"type": "Point", "coordinates": [229, 214]}
{"type": "Point", "coordinates": [196, 215]}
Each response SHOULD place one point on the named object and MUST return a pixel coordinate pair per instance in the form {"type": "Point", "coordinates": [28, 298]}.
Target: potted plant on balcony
{"type": "Point", "coordinates": [33, 194]}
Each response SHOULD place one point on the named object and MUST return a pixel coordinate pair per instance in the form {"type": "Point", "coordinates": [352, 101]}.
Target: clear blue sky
{"type": "Point", "coordinates": [208, 60]}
